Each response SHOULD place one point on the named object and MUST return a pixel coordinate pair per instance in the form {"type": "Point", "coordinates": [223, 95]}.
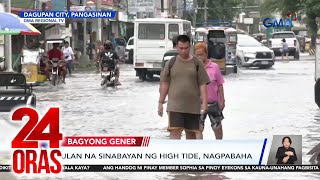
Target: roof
{"type": "Point", "coordinates": [283, 32]}
{"type": "Point", "coordinates": [204, 30]}
{"type": "Point", "coordinates": [160, 20]}
{"type": "Point", "coordinates": [56, 37]}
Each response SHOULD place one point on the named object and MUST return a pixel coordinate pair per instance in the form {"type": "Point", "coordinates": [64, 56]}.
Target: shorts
{"type": "Point", "coordinates": [215, 119]}
{"type": "Point", "coordinates": [285, 51]}
{"type": "Point", "coordinates": [185, 121]}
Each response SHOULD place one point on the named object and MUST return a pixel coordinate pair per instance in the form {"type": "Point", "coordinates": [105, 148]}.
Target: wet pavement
{"type": "Point", "coordinates": [259, 103]}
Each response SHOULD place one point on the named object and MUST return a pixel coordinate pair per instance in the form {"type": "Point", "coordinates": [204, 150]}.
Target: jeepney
{"type": "Point", "coordinates": [222, 43]}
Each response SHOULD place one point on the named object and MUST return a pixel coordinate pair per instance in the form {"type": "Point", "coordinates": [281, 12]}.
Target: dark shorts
{"type": "Point", "coordinates": [285, 51]}
{"type": "Point", "coordinates": [185, 121]}
{"type": "Point", "coordinates": [215, 119]}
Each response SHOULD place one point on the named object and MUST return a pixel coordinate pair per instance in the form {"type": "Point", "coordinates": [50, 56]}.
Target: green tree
{"type": "Point", "coordinates": [218, 9]}
{"type": "Point", "coordinates": [282, 6]}
{"type": "Point", "coordinates": [312, 11]}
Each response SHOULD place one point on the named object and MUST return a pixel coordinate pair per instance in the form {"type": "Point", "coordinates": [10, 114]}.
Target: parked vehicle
{"type": "Point", "coordinates": [120, 49]}
{"type": "Point", "coordinates": [13, 95]}
{"type": "Point", "coordinates": [152, 38]}
{"type": "Point", "coordinates": [251, 53]}
{"type": "Point", "coordinates": [291, 40]}
{"type": "Point", "coordinates": [201, 35]}
{"type": "Point", "coordinates": [222, 47]}
{"type": "Point", "coordinates": [129, 51]}
{"type": "Point", "coordinates": [32, 65]}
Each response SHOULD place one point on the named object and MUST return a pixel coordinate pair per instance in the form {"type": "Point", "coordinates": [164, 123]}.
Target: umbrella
{"type": "Point", "coordinates": [10, 24]}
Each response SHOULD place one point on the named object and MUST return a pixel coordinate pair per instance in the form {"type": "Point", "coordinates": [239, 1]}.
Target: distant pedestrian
{"type": "Point", "coordinates": [215, 93]}
{"type": "Point", "coordinates": [68, 56]}
{"type": "Point", "coordinates": [184, 79]}
{"type": "Point", "coordinates": [285, 50]}
{"type": "Point", "coordinates": [113, 41]}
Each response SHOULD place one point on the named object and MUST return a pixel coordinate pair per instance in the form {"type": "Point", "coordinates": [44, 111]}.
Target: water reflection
{"type": "Point", "coordinates": [315, 151]}
{"type": "Point", "coordinates": [197, 176]}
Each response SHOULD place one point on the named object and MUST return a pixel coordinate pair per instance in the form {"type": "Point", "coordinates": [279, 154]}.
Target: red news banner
{"type": "Point", "coordinates": [106, 141]}
{"type": "Point", "coordinates": [36, 151]}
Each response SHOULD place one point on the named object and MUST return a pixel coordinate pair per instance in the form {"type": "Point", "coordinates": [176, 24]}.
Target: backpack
{"type": "Point", "coordinates": [173, 60]}
{"type": "Point", "coordinates": [108, 59]}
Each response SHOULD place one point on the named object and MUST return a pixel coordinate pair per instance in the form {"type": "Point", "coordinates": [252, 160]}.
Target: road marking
{"type": "Point", "coordinates": [9, 98]}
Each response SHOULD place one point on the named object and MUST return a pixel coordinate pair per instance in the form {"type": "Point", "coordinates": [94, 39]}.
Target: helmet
{"type": "Point", "coordinates": [107, 44]}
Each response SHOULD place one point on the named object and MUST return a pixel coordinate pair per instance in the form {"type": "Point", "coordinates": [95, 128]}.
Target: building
{"type": "Point", "coordinates": [152, 8]}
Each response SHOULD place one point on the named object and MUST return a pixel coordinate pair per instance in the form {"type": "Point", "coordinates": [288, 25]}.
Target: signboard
{"type": "Point", "coordinates": [2, 9]}
{"type": "Point", "coordinates": [135, 6]}
{"type": "Point", "coordinates": [104, 2]}
{"type": "Point", "coordinates": [248, 20]}
{"type": "Point", "coordinates": [58, 5]}
{"type": "Point", "coordinates": [82, 8]}
{"type": "Point", "coordinates": [1, 39]}
{"type": "Point", "coordinates": [189, 5]}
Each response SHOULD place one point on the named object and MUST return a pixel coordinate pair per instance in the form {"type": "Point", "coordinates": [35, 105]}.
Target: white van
{"type": "Point", "coordinates": [153, 37]}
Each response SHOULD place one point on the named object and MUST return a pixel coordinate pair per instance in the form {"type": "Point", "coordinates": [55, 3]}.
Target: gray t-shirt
{"type": "Point", "coordinates": [185, 82]}
{"type": "Point", "coordinates": [285, 46]}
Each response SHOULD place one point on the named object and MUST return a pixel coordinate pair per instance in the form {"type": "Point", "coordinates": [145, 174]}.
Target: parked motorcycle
{"type": "Point", "coordinates": [56, 75]}
{"type": "Point", "coordinates": [108, 76]}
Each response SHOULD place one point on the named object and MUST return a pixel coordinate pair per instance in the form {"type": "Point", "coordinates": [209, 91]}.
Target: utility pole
{"type": "Point", "coordinates": [162, 6]}
{"type": "Point", "coordinates": [169, 4]}
{"type": "Point", "coordinates": [184, 9]}
{"type": "Point", "coordinates": [68, 9]}
{"type": "Point", "coordinates": [84, 55]}
{"type": "Point", "coordinates": [99, 30]}
{"type": "Point", "coordinates": [8, 46]}
{"type": "Point", "coordinates": [205, 10]}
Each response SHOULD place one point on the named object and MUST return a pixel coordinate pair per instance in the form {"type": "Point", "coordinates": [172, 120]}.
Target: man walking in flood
{"type": "Point", "coordinates": [184, 79]}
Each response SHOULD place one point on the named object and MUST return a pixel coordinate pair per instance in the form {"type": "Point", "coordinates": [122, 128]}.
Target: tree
{"type": "Point", "coordinates": [282, 6]}
{"type": "Point", "coordinates": [312, 11]}
{"type": "Point", "coordinates": [218, 9]}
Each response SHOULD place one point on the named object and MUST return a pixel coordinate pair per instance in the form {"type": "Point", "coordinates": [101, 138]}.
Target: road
{"type": "Point", "coordinates": [259, 103]}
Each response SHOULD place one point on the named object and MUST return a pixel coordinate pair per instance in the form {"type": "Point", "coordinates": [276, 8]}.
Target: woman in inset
{"type": "Point", "coordinates": [215, 93]}
{"type": "Point", "coordinates": [286, 154]}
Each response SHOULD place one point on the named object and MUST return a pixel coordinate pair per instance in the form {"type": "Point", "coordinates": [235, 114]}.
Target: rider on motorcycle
{"type": "Point", "coordinates": [109, 53]}
{"type": "Point", "coordinates": [56, 53]}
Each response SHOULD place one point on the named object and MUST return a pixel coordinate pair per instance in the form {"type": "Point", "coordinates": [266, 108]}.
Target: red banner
{"type": "Point", "coordinates": [142, 141]}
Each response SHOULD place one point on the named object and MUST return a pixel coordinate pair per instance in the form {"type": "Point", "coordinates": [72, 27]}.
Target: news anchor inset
{"type": "Point", "coordinates": [285, 153]}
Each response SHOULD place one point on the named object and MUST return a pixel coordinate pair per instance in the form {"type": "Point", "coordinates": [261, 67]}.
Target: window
{"type": "Point", "coordinates": [120, 42]}
{"type": "Point", "coordinates": [151, 31]}
{"type": "Point", "coordinates": [245, 40]}
{"type": "Point", "coordinates": [130, 42]}
{"type": "Point", "coordinates": [283, 35]}
{"type": "Point", "coordinates": [187, 29]}
{"type": "Point", "coordinates": [173, 30]}
{"type": "Point", "coordinates": [184, 28]}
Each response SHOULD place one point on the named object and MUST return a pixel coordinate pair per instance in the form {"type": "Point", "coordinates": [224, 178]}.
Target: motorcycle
{"type": "Point", "coordinates": [56, 75]}
{"type": "Point", "coordinates": [108, 76]}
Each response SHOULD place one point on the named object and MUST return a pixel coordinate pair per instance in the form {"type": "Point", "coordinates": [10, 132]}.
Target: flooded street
{"type": "Point", "coordinates": [259, 103]}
